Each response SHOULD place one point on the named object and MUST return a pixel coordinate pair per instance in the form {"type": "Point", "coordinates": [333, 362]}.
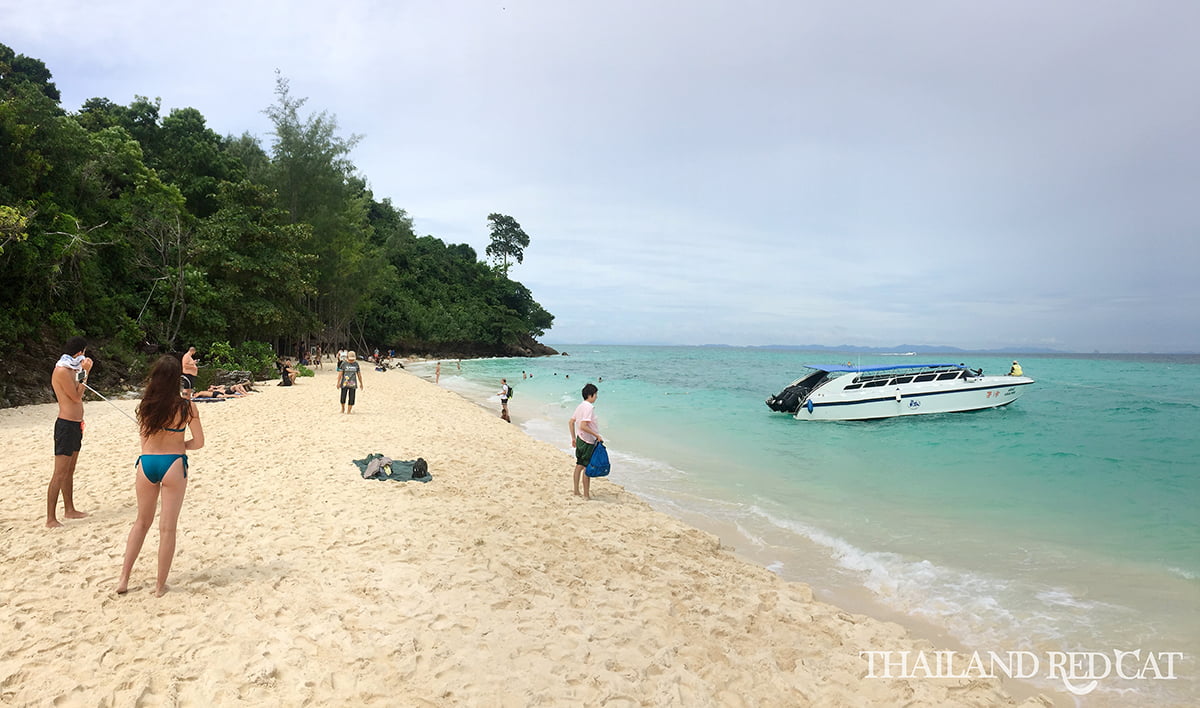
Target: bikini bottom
{"type": "Point", "coordinates": [155, 467]}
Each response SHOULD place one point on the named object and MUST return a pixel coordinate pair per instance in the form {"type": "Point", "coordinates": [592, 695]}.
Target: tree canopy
{"type": "Point", "coordinates": [509, 240]}
{"type": "Point", "coordinates": [145, 230]}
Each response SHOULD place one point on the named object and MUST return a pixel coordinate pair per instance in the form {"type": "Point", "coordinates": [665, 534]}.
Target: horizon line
{"type": "Point", "coordinates": [927, 348]}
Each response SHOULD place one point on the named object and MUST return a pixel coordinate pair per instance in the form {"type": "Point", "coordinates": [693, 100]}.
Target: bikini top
{"type": "Point", "coordinates": [176, 430]}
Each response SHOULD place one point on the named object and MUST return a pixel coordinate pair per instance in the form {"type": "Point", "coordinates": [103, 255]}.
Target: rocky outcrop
{"type": "Point", "coordinates": [528, 346]}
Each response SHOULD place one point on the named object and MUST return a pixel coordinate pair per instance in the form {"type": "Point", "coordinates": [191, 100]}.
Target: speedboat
{"type": "Point", "coordinates": [867, 392]}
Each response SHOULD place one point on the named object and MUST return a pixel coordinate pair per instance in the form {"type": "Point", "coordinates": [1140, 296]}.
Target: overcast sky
{"type": "Point", "coordinates": [995, 174]}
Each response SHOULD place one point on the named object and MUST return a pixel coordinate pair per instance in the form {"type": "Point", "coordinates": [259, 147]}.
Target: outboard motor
{"type": "Point", "coordinates": [791, 398]}
{"type": "Point", "coordinates": [788, 400]}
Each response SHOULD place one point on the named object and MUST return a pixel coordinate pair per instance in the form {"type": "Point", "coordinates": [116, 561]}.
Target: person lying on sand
{"type": "Point", "coordinates": [235, 391]}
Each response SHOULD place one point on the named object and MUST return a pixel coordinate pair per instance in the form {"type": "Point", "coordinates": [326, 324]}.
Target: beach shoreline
{"type": "Point", "coordinates": [855, 602]}
{"type": "Point", "coordinates": [986, 525]}
{"type": "Point", "coordinates": [296, 580]}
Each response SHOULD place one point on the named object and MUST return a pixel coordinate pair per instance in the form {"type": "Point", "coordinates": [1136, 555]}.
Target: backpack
{"type": "Point", "coordinates": [510, 391]}
{"type": "Point", "coordinates": [598, 465]}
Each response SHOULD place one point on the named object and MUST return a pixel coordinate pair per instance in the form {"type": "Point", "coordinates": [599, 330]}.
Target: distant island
{"type": "Point", "coordinates": [897, 350]}
{"type": "Point", "coordinates": [904, 348]}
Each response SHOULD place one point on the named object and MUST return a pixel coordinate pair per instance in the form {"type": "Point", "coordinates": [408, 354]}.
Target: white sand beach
{"type": "Point", "coordinates": [298, 582]}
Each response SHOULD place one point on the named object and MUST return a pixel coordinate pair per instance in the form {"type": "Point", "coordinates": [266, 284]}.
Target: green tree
{"type": "Point", "coordinates": [100, 113]}
{"type": "Point", "coordinates": [256, 267]}
{"type": "Point", "coordinates": [255, 161]}
{"type": "Point", "coordinates": [12, 226]}
{"type": "Point", "coordinates": [193, 158]}
{"type": "Point", "coordinates": [128, 227]}
{"type": "Point", "coordinates": [314, 176]}
{"type": "Point", "coordinates": [18, 68]}
{"type": "Point", "coordinates": [509, 240]}
{"type": "Point", "coordinates": [78, 191]}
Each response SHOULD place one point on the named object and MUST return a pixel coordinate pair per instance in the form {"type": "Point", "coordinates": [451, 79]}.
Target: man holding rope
{"type": "Point", "coordinates": [69, 380]}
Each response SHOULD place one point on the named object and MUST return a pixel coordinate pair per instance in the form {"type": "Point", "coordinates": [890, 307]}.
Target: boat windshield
{"type": "Point", "coordinates": [880, 378]}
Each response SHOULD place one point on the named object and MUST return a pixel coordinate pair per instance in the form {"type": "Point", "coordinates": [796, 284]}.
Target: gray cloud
{"type": "Point", "coordinates": [696, 172]}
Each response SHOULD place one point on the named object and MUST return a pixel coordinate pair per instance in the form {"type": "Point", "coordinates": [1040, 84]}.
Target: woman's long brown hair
{"type": "Point", "coordinates": [162, 405]}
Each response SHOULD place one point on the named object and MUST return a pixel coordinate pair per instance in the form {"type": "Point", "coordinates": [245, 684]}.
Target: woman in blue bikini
{"type": "Point", "coordinates": [163, 416]}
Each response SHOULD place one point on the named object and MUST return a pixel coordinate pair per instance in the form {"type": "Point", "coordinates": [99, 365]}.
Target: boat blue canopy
{"type": "Point", "coordinates": [841, 369]}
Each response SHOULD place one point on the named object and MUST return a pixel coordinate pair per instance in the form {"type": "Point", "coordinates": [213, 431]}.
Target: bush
{"type": "Point", "coordinates": [220, 355]}
{"type": "Point", "coordinates": [204, 379]}
{"type": "Point", "coordinates": [120, 355]}
{"type": "Point", "coordinates": [304, 370]}
{"type": "Point", "coordinates": [255, 357]}
{"type": "Point", "coordinates": [63, 325]}
{"type": "Point", "coordinates": [124, 363]}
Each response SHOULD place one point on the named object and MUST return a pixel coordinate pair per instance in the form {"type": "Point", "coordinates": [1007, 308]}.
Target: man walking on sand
{"type": "Point", "coordinates": [585, 434]}
{"type": "Point", "coordinates": [349, 380]}
{"type": "Point", "coordinates": [68, 379]}
{"type": "Point", "coordinates": [190, 371]}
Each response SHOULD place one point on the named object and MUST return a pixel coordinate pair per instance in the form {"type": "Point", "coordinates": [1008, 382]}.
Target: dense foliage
{"type": "Point", "coordinates": [254, 357]}
{"type": "Point", "coordinates": [149, 231]}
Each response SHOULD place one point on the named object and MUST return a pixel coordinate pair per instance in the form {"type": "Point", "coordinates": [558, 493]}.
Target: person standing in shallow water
{"type": "Point", "coordinates": [585, 435]}
{"type": "Point", "coordinates": [349, 381]}
{"type": "Point", "coordinates": [163, 417]}
{"type": "Point", "coordinates": [503, 393]}
{"type": "Point", "coordinates": [67, 380]}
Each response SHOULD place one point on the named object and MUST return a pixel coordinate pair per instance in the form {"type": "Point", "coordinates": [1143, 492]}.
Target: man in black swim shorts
{"type": "Point", "coordinates": [68, 436]}
{"type": "Point", "coordinates": [68, 379]}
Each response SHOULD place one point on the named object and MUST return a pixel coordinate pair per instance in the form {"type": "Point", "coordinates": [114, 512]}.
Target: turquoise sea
{"type": "Point", "coordinates": [1067, 521]}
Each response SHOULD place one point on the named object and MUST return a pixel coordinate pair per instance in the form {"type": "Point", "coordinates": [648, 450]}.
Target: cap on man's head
{"type": "Point", "coordinates": [1014, 361]}
{"type": "Point", "coordinates": [351, 355]}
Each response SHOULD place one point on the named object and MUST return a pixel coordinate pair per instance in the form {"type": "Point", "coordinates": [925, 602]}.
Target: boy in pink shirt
{"type": "Point", "coordinates": [585, 434]}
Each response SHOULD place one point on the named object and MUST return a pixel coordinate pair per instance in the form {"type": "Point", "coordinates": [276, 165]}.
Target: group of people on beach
{"type": "Point", "coordinates": [164, 416]}
{"type": "Point", "coordinates": [190, 368]}
{"type": "Point", "coordinates": [168, 413]}
{"type": "Point", "coordinates": [222, 391]}
{"type": "Point", "coordinates": [349, 374]}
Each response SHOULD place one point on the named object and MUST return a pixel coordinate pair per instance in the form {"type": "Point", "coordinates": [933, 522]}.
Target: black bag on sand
{"type": "Point", "coordinates": [417, 469]}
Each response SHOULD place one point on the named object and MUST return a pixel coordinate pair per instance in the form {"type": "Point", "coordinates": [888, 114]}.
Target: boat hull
{"type": "Point", "coordinates": [914, 399]}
